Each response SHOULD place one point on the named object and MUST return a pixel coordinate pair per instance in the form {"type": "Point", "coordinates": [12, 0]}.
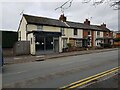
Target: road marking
{"type": "Point", "coordinates": [78, 85]}
{"type": "Point", "coordinates": [89, 79]}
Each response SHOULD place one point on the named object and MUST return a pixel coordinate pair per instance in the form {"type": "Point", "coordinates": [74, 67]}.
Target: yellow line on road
{"type": "Point", "coordinates": [86, 80]}
{"type": "Point", "coordinates": [78, 85]}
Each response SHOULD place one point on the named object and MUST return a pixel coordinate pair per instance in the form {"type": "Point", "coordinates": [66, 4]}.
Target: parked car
{"type": "Point", "coordinates": [1, 57]}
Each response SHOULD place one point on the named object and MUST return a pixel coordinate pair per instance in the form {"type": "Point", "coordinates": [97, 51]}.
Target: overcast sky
{"type": "Point", "coordinates": [78, 12]}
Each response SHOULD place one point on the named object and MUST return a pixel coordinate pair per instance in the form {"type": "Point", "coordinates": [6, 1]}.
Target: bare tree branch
{"type": "Point", "coordinates": [98, 2]}
{"type": "Point", "coordinates": [112, 3]}
{"type": "Point", "coordinates": [62, 7]}
{"type": "Point", "coordinates": [116, 5]}
{"type": "Point", "coordinates": [86, 1]}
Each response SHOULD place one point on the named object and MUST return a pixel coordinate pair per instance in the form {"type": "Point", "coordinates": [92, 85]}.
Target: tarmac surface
{"type": "Point", "coordinates": [57, 72]}
{"type": "Point", "coordinates": [112, 82]}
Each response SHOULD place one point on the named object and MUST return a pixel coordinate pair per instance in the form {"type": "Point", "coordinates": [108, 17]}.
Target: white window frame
{"type": "Point", "coordinates": [90, 32]}
{"type": "Point", "coordinates": [62, 30]}
{"type": "Point", "coordinates": [75, 34]}
{"type": "Point", "coordinates": [98, 33]}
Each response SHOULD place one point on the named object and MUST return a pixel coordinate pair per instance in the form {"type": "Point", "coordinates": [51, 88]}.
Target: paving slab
{"type": "Point", "coordinates": [30, 58]}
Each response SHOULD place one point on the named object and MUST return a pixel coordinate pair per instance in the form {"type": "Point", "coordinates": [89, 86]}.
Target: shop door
{"type": "Point", "coordinates": [40, 44]}
{"type": "Point", "coordinates": [49, 43]}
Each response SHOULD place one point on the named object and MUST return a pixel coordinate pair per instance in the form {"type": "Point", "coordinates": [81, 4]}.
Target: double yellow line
{"type": "Point", "coordinates": [89, 79]}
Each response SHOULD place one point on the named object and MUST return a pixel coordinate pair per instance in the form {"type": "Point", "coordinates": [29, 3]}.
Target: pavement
{"type": "Point", "coordinates": [30, 58]}
{"type": "Point", "coordinates": [57, 72]}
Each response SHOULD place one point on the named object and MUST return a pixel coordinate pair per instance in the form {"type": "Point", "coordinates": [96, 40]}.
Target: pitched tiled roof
{"type": "Point", "coordinates": [104, 29]}
{"type": "Point", "coordinates": [83, 26]}
{"type": "Point", "coordinates": [54, 22]}
{"type": "Point", "coordinates": [44, 21]}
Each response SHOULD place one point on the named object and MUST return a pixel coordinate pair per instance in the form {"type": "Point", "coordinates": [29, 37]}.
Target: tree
{"type": "Point", "coordinates": [112, 3]}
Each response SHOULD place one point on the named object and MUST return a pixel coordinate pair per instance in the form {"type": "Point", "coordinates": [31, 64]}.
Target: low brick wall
{"type": "Point", "coordinates": [116, 44]}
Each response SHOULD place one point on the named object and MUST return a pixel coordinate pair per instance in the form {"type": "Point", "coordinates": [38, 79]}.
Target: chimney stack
{"type": "Point", "coordinates": [87, 22]}
{"type": "Point", "coordinates": [103, 25]}
{"type": "Point", "coordinates": [62, 18]}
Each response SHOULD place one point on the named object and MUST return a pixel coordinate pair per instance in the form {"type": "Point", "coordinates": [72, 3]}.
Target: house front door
{"type": "Point", "coordinates": [56, 45]}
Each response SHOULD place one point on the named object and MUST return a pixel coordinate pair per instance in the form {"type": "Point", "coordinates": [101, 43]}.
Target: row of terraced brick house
{"type": "Point", "coordinates": [52, 35]}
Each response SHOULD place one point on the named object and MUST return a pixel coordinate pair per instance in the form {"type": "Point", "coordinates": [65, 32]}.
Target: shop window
{"type": "Point", "coordinates": [75, 31]}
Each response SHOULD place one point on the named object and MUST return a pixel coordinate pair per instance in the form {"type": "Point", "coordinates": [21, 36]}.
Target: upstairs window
{"type": "Point", "coordinates": [98, 33]}
{"type": "Point", "coordinates": [107, 34]}
{"type": "Point", "coordinates": [75, 31]}
{"type": "Point", "coordinates": [62, 31]}
{"type": "Point", "coordinates": [39, 27]}
{"type": "Point", "coordinates": [89, 33]}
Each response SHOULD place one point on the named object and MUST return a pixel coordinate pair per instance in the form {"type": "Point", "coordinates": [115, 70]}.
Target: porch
{"type": "Point", "coordinates": [46, 42]}
{"type": "Point", "coordinates": [104, 42]}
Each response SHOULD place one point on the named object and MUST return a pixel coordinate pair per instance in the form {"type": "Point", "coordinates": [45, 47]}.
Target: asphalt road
{"type": "Point", "coordinates": [112, 82]}
{"type": "Point", "coordinates": [58, 72]}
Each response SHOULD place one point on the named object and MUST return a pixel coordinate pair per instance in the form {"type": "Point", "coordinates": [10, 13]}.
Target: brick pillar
{"type": "Point", "coordinates": [92, 35]}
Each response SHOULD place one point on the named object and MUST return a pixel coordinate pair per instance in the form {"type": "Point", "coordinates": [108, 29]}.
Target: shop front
{"type": "Point", "coordinates": [47, 42]}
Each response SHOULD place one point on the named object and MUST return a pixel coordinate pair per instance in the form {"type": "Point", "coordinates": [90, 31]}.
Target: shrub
{"type": "Point", "coordinates": [69, 45]}
{"type": "Point", "coordinates": [105, 45]}
{"type": "Point", "coordinates": [116, 39]}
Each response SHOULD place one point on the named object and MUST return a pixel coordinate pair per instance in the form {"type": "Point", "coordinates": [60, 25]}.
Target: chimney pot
{"type": "Point", "coordinates": [87, 22]}
{"type": "Point", "coordinates": [62, 18]}
{"type": "Point", "coordinates": [103, 25]}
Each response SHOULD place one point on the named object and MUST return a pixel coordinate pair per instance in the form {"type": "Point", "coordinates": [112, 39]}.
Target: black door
{"type": "Point", "coordinates": [49, 43]}
{"type": "Point", "coordinates": [40, 44]}
{"type": "Point", "coordinates": [44, 43]}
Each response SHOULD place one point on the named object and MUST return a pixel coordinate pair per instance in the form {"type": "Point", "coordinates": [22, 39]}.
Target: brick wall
{"type": "Point", "coordinates": [85, 33]}
{"type": "Point", "coordinates": [105, 34]}
{"type": "Point", "coordinates": [92, 38]}
{"type": "Point", "coordinates": [109, 34]}
{"type": "Point", "coordinates": [118, 35]}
